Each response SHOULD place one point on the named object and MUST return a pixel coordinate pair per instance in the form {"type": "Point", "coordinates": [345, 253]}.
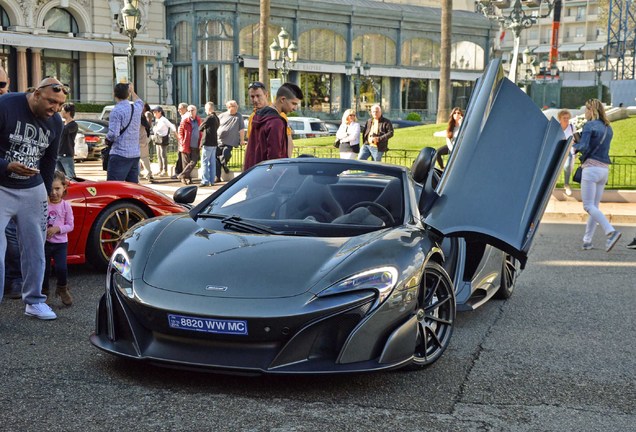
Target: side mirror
{"type": "Point", "coordinates": [185, 195]}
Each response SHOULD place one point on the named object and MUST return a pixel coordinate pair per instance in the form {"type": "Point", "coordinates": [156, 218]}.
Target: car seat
{"type": "Point", "coordinates": [313, 199]}
{"type": "Point", "coordinates": [391, 198]}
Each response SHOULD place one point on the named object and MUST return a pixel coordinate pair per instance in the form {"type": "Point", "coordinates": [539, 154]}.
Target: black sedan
{"type": "Point", "coordinates": [329, 266]}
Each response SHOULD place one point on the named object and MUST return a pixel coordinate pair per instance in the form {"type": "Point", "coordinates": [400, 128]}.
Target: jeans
{"type": "Point", "coordinates": [367, 151]}
{"type": "Point", "coordinates": [208, 164]}
{"type": "Point", "coordinates": [123, 169]}
{"type": "Point", "coordinates": [66, 164]}
{"type": "Point", "coordinates": [593, 183]}
{"type": "Point", "coordinates": [58, 252]}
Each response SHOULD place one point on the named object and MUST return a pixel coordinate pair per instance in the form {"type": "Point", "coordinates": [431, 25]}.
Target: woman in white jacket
{"type": "Point", "coordinates": [349, 135]}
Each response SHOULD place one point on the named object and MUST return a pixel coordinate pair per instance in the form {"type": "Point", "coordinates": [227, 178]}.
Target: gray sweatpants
{"type": "Point", "coordinates": [29, 207]}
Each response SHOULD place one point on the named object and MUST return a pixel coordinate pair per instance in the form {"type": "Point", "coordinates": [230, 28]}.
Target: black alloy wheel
{"type": "Point", "coordinates": [509, 273]}
{"type": "Point", "coordinates": [435, 314]}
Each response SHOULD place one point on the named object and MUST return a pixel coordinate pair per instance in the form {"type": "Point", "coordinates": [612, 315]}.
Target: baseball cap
{"type": "Point", "coordinates": [157, 108]}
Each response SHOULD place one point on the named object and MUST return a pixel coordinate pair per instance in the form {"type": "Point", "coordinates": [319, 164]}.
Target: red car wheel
{"type": "Point", "coordinates": [109, 226]}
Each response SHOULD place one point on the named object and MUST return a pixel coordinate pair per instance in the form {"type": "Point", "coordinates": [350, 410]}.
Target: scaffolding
{"type": "Point", "coordinates": [621, 43]}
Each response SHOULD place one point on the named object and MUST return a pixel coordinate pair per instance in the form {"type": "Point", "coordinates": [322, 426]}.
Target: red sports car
{"type": "Point", "coordinates": [104, 210]}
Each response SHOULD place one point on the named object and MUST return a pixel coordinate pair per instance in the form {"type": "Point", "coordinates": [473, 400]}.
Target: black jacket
{"type": "Point", "coordinates": [67, 142]}
{"type": "Point", "coordinates": [208, 128]}
{"type": "Point", "coordinates": [385, 131]}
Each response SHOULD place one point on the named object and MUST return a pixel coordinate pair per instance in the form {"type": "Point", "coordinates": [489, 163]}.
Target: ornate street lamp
{"type": "Point", "coordinates": [164, 72]}
{"type": "Point", "coordinates": [599, 67]}
{"type": "Point", "coordinates": [284, 53]}
{"type": "Point", "coordinates": [361, 74]}
{"type": "Point", "coordinates": [130, 21]}
{"type": "Point", "coordinates": [516, 19]}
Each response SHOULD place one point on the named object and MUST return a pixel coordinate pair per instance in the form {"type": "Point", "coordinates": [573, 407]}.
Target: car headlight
{"type": "Point", "coordinates": [120, 272]}
{"type": "Point", "coordinates": [382, 280]}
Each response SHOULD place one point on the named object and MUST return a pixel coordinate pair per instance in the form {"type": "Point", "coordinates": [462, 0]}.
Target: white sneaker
{"type": "Point", "coordinates": [40, 310]}
{"type": "Point", "coordinates": [568, 190]}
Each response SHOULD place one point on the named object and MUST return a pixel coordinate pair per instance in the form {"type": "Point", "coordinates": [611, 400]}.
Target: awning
{"type": "Point", "coordinates": [79, 44]}
{"type": "Point", "coordinates": [572, 47]}
{"type": "Point", "coordinates": [594, 46]}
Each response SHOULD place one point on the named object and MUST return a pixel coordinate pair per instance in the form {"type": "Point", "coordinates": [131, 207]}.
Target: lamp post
{"type": "Point", "coordinates": [516, 19]}
{"type": "Point", "coordinates": [599, 66]}
{"type": "Point", "coordinates": [361, 73]}
{"type": "Point", "coordinates": [130, 17]}
{"type": "Point", "coordinates": [284, 53]}
{"type": "Point", "coordinates": [164, 72]}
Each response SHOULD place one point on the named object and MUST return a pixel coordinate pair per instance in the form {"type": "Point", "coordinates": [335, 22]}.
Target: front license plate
{"type": "Point", "coordinates": [207, 325]}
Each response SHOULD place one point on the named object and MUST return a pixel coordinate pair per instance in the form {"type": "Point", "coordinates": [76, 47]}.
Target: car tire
{"type": "Point", "coordinates": [509, 272]}
{"type": "Point", "coordinates": [435, 312]}
{"type": "Point", "coordinates": [107, 230]}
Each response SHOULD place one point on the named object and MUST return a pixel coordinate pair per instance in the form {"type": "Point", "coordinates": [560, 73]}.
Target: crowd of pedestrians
{"type": "Point", "coordinates": [34, 216]}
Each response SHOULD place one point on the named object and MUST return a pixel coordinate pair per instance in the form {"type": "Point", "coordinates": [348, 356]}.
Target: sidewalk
{"type": "Point", "coordinates": [619, 206]}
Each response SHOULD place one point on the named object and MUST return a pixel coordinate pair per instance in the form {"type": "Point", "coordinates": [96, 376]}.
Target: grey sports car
{"type": "Point", "coordinates": [326, 266]}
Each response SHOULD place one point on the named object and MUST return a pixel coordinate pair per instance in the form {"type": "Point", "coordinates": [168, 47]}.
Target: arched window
{"type": "Point", "coordinates": [4, 49]}
{"type": "Point", "coordinates": [375, 49]}
{"type": "Point", "coordinates": [60, 21]}
{"type": "Point", "coordinates": [322, 45]}
{"type": "Point", "coordinates": [467, 55]}
{"type": "Point", "coordinates": [215, 41]}
{"type": "Point", "coordinates": [62, 63]}
{"type": "Point", "coordinates": [248, 38]}
{"type": "Point", "coordinates": [420, 52]}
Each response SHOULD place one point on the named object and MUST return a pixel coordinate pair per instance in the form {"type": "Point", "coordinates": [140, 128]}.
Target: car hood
{"type": "Point", "coordinates": [502, 170]}
{"type": "Point", "coordinates": [235, 265]}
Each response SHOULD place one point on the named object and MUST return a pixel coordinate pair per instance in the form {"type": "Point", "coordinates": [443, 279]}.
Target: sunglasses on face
{"type": "Point", "coordinates": [57, 88]}
{"type": "Point", "coordinates": [3, 84]}
{"type": "Point", "coordinates": [256, 85]}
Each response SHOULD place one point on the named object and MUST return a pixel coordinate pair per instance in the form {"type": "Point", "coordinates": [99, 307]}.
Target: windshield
{"type": "Point", "coordinates": [298, 196]}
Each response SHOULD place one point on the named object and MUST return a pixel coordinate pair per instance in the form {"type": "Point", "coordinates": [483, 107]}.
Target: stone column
{"type": "Point", "coordinates": [21, 66]}
{"type": "Point", "coordinates": [36, 66]}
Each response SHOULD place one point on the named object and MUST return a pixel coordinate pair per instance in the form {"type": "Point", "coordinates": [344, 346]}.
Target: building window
{"type": "Point", "coordinates": [4, 49]}
{"type": "Point", "coordinates": [248, 38]}
{"type": "Point", "coordinates": [420, 52]}
{"type": "Point", "coordinates": [183, 42]}
{"type": "Point", "coordinates": [215, 41]}
{"type": "Point", "coordinates": [64, 65]}
{"type": "Point", "coordinates": [375, 49]}
{"type": "Point", "coordinates": [322, 45]}
{"type": "Point", "coordinates": [60, 21]}
{"type": "Point", "coordinates": [414, 94]}
{"type": "Point", "coordinates": [467, 55]}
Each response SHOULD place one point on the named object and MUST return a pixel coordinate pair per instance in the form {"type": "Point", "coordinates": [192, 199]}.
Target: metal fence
{"type": "Point", "coordinates": [622, 173]}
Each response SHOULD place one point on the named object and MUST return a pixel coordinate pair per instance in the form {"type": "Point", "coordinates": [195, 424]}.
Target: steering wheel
{"type": "Point", "coordinates": [374, 204]}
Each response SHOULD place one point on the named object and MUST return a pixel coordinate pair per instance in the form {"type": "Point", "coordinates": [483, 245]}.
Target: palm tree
{"type": "Point", "coordinates": [444, 100]}
{"type": "Point", "coordinates": [263, 43]}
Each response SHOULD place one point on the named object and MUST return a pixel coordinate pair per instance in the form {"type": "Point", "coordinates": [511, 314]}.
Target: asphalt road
{"type": "Point", "coordinates": [560, 355]}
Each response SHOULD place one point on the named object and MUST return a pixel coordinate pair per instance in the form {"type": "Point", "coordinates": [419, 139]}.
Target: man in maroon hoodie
{"type": "Point", "coordinates": [268, 132]}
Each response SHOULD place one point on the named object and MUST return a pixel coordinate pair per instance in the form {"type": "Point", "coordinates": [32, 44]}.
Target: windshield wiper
{"type": "Point", "coordinates": [235, 221]}
{"type": "Point", "coordinates": [238, 222]}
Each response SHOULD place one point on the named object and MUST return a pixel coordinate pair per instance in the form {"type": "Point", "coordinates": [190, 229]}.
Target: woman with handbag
{"type": "Point", "coordinates": [161, 132]}
{"type": "Point", "coordinates": [594, 148]}
{"type": "Point", "coordinates": [348, 135]}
